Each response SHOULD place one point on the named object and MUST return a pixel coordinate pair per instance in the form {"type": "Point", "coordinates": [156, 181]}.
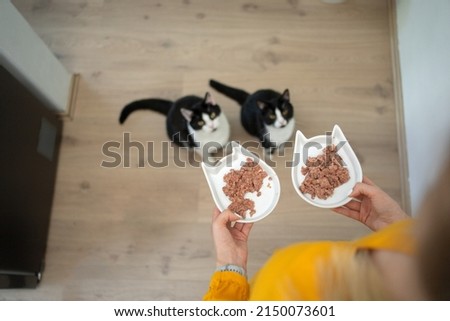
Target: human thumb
{"type": "Point", "coordinates": [228, 216]}
{"type": "Point", "coordinates": [363, 189]}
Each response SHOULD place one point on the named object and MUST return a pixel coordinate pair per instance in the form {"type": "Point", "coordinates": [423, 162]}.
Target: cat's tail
{"type": "Point", "coordinates": [160, 105]}
{"type": "Point", "coordinates": [236, 94]}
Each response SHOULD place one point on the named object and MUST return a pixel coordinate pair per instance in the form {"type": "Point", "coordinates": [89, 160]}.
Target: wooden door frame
{"type": "Point", "coordinates": [399, 108]}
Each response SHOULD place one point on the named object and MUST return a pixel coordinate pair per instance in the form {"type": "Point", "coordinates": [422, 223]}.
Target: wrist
{"type": "Point", "coordinates": [232, 261]}
{"type": "Point", "coordinates": [398, 216]}
{"type": "Point", "coordinates": [232, 268]}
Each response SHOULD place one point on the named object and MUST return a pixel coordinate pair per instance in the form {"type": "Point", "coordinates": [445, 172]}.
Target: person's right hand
{"type": "Point", "coordinates": [371, 206]}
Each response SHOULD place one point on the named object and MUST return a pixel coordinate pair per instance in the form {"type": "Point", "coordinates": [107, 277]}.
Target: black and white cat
{"type": "Point", "coordinates": [265, 114]}
{"type": "Point", "coordinates": [191, 121]}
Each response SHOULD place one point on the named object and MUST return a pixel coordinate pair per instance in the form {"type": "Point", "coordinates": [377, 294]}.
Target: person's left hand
{"type": "Point", "coordinates": [230, 240]}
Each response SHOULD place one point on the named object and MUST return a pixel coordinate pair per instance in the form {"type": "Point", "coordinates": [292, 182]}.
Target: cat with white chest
{"type": "Point", "coordinates": [266, 114]}
{"type": "Point", "coordinates": [191, 121]}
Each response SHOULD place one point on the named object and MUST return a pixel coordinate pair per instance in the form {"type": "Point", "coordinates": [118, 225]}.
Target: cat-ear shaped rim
{"type": "Point", "coordinates": [209, 100]}
{"type": "Point", "coordinates": [187, 114]}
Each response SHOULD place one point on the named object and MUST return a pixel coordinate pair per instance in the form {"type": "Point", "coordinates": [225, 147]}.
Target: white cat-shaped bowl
{"type": "Point", "coordinates": [313, 147]}
{"type": "Point", "coordinates": [270, 190]}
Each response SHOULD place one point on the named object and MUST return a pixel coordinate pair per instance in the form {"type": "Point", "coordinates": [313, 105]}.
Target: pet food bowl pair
{"type": "Point", "coordinates": [271, 189]}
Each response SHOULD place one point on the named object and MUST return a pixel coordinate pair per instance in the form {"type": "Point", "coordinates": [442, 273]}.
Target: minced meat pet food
{"type": "Point", "coordinates": [323, 174]}
{"type": "Point", "coordinates": [248, 179]}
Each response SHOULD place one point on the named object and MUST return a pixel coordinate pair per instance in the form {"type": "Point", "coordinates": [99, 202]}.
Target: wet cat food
{"type": "Point", "coordinates": [248, 179]}
{"type": "Point", "coordinates": [323, 174]}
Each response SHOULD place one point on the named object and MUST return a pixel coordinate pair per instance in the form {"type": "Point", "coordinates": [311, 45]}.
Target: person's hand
{"type": "Point", "coordinates": [230, 239]}
{"type": "Point", "coordinates": [371, 206]}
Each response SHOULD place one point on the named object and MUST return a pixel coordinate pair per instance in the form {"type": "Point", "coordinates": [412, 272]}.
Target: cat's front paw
{"type": "Point", "coordinates": [270, 150]}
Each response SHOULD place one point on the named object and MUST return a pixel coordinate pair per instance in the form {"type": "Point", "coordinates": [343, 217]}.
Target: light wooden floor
{"type": "Point", "coordinates": [144, 233]}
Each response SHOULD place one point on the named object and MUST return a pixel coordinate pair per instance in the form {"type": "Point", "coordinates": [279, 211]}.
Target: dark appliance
{"type": "Point", "coordinates": [30, 136]}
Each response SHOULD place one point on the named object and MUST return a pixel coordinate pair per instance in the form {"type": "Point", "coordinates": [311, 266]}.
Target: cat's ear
{"type": "Point", "coordinates": [286, 95]}
{"type": "Point", "coordinates": [261, 104]}
{"type": "Point", "coordinates": [187, 114]}
{"type": "Point", "coordinates": [209, 100]}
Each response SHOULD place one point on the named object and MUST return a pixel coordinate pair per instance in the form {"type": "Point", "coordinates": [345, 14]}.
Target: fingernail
{"type": "Point", "coordinates": [350, 193]}
{"type": "Point", "coordinates": [238, 215]}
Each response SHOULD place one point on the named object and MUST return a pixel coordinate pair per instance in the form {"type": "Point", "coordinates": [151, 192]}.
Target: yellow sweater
{"type": "Point", "coordinates": [296, 265]}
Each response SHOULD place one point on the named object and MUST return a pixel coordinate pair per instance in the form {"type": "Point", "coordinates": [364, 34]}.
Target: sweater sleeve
{"type": "Point", "coordinates": [227, 286]}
